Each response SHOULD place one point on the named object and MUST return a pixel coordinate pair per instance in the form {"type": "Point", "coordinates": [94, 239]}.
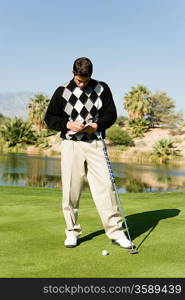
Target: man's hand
{"type": "Point", "coordinates": [74, 126]}
{"type": "Point", "coordinates": [92, 127]}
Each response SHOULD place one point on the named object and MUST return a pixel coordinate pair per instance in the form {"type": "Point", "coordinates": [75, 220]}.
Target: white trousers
{"type": "Point", "coordinates": [78, 159]}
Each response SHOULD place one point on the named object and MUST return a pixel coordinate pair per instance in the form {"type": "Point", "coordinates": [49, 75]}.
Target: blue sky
{"type": "Point", "coordinates": [130, 42]}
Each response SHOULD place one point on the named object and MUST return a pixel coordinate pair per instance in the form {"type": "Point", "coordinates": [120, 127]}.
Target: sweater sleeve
{"type": "Point", "coordinates": [108, 113]}
{"type": "Point", "coordinates": [55, 116]}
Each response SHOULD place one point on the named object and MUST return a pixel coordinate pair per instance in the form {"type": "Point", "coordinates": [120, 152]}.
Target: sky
{"type": "Point", "coordinates": [130, 42]}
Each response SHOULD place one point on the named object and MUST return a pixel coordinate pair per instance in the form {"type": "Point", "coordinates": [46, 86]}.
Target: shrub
{"type": "Point", "coordinates": [48, 132]}
{"type": "Point", "coordinates": [118, 136]}
{"type": "Point", "coordinates": [16, 131]}
{"type": "Point", "coordinates": [121, 121]}
{"type": "Point", "coordinates": [164, 150]}
{"type": "Point", "coordinates": [42, 142]}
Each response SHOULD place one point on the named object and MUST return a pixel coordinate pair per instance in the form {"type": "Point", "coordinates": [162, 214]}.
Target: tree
{"type": "Point", "coordinates": [162, 111]}
{"type": "Point", "coordinates": [137, 102]}
{"type": "Point", "coordinates": [36, 110]}
{"type": "Point", "coordinates": [138, 126]}
{"type": "Point", "coordinates": [15, 131]}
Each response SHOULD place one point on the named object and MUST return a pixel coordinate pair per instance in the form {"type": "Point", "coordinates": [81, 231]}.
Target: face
{"type": "Point", "coordinates": [81, 81]}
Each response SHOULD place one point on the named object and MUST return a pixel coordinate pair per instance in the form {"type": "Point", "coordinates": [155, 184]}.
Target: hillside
{"type": "Point", "coordinates": [15, 104]}
{"type": "Point", "coordinates": [144, 145]}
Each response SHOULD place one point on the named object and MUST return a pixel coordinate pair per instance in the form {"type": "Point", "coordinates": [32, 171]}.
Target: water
{"type": "Point", "coordinates": [29, 170]}
{"type": "Point", "coordinates": [39, 171]}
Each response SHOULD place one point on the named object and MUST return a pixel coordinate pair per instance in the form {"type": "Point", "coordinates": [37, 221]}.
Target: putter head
{"type": "Point", "coordinates": [133, 251]}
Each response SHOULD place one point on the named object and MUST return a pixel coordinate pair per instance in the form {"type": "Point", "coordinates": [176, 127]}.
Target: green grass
{"type": "Point", "coordinates": [32, 234]}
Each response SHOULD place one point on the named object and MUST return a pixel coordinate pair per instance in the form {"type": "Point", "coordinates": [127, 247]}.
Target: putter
{"type": "Point", "coordinates": [133, 250]}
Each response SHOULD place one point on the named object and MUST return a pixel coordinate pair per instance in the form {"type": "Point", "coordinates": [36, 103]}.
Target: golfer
{"type": "Point", "coordinates": [79, 102]}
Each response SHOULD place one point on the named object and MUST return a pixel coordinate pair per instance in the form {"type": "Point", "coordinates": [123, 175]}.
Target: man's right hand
{"type": "Point", "coordinates": [74, 126]}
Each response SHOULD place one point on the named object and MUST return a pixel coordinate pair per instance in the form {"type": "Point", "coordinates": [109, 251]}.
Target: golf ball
{"type": "Point", "coordinates": [105, 253]}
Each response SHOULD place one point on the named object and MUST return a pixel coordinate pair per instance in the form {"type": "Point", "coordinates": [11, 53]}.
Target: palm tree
{"type": "Point", "coordinates": [36, 110]}
{"type": "Point", "coordinates": [137, 102]}
{"type": "Point", "coordinates": [164, 150]}
{"type": "Point", "coordinates": [15, 131]}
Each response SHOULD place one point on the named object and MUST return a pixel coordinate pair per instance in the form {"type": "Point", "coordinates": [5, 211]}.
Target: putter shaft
{"type": "Point", "coordinates": [112, 178]}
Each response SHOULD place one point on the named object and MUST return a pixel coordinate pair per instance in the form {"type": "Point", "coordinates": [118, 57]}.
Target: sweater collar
{"type": "Point", "coordinates": [73, 84]}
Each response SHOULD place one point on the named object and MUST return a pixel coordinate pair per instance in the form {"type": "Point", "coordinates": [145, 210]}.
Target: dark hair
{"type": "Point", "coordinates": [83, 66]}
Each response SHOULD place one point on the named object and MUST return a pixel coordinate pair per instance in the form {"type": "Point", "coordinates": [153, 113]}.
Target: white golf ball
{"type": "Point", "coordinates": [105, 253]}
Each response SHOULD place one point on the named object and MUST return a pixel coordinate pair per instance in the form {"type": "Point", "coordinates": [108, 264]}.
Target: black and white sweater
{"type": "Point", "coordinates": [70, 103]}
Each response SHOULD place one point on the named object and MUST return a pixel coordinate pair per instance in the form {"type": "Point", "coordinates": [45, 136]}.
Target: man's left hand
{"type": "Point", "coordinates": [92, 127]}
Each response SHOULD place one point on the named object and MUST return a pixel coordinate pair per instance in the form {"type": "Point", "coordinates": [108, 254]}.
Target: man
{"type": "Point", "coordinates": [82, 101]}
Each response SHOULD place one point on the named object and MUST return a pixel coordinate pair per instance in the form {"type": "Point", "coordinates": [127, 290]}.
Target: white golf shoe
{"type": "Point", "coordinates": [123, 242]}
{"type": "Point", "coordinates": [71, 241]}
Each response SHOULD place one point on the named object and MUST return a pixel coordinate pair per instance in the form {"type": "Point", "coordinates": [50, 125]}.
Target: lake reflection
{"type": "Point", "coordinates": [29, 170]}
{"type": "Point", "coordinates": [39, 171]}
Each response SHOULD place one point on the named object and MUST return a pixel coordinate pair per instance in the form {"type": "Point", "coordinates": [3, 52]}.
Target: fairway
{"type": "Point", "coordinates": [32, 235]}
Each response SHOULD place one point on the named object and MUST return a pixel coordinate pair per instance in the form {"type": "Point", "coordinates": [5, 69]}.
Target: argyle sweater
{"type": "Point", "coordinates": [70, 103]}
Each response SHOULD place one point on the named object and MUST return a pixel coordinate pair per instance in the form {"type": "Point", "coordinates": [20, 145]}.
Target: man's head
{"type": "Point", "coordinates": [82, 70]}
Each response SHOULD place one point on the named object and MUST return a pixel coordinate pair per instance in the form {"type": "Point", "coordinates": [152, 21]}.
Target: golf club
{"type": "Point", "coordinates": [133, 250]}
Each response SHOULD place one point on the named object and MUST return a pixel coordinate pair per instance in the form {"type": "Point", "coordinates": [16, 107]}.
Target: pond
{"type": "Point", "coordinates": [42, 171]}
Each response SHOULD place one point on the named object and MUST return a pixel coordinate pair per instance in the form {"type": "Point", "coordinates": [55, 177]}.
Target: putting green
{"type": "Point", "coordinates": [32, 235]}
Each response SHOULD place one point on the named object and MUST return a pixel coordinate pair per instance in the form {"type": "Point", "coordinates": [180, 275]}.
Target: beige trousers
{"type": "Point", "coordinates": [81, 158]}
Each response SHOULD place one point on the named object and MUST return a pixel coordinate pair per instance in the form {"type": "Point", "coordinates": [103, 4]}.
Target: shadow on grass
{"type": "Point", "coordinates": [139, 223]}
{"type": "Point", "coordinates": [147, 221]}
{"type": "Point", "coordinates": [90, 236]}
